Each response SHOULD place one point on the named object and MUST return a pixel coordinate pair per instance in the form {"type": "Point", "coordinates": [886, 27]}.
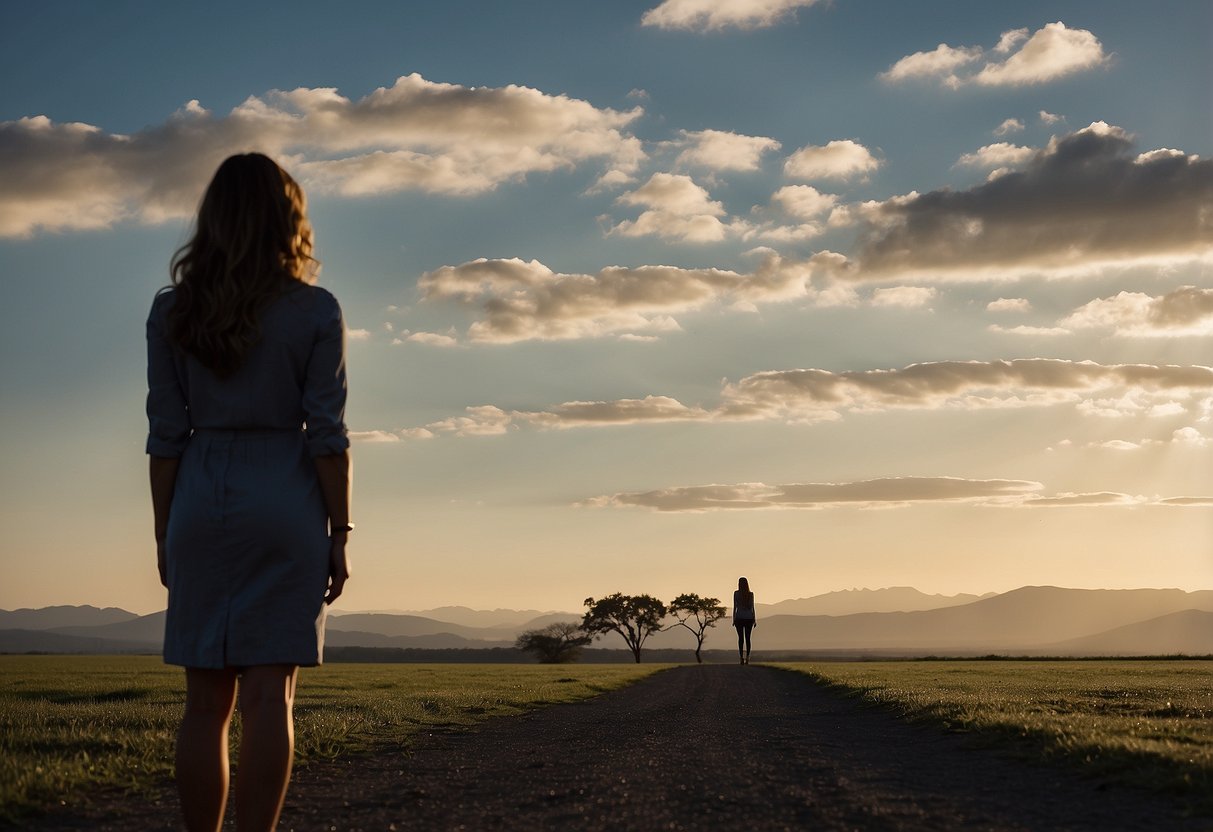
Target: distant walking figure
{"type": "Point", "coordinates": [250, 479]}
{"type": "Point", "coordinates": [744, 618]}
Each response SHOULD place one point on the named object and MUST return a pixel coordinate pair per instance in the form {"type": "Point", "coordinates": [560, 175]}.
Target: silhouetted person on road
{"type": "Point", "coordinates": [744, 618]}
{"type": "Point", "coordinates": [250, 477]}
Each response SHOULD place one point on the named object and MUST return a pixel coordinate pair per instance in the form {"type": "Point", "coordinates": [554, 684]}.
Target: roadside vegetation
{"type": "Point", "coordinates": [1144, 723]}
{"type": "Point", "coordinates": [72, 724]}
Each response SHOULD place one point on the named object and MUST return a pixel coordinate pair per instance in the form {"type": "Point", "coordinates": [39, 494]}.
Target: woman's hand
{"type": "Point", "coordinates": [162, 563]}
{"type": "Point", "coordinates": [339, 568]}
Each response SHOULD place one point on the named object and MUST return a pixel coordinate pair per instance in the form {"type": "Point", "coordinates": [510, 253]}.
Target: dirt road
{"type": "Point", "coordinates": [726, 747]}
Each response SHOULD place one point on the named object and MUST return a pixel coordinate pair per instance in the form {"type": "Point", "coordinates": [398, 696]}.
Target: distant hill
{"type": "Point", "coordinates": [48, 618]}
{"type": "Point", "coordinates": [1039, 619]}
{"type": "Point", "coordinates": [498, 618]}
{"type": "Point", "coordinates": [43, 641]}
{"type": "Point", "coordinates": [1022, 619]}
{"type": "Point", "coordinates": [1189, 632]}
{"type": "Point", "coordinates": [346, 638]}
{"type": "Point", "coordinates": [851, 601]}
{"type": "Point", "coordinates": [145, 628]}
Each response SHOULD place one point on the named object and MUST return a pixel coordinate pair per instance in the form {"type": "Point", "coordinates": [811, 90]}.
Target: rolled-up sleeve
{"type": "Point", "coordinates": [168, 417]}
{"type": "Point", "coordinates": [324, 386]}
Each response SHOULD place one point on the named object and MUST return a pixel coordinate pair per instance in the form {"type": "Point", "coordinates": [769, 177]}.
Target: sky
{"type": "Point", "coordinates": [644, 296]}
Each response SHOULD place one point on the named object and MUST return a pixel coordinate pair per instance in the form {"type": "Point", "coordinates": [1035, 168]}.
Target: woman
{"type": "Point", "coordinates": [250, 477]}
{"type": "Point", "coordinates": [744, 618]}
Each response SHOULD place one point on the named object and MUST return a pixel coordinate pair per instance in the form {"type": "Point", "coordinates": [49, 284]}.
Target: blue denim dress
{"type": "Point", "coordinates": [247, 546]}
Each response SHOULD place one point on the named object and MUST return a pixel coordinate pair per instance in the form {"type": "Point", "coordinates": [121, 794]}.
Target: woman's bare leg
{"type": "Point", "coordinates": [267, 745]}
{"type": "Point", "coordinates": [202, 765]}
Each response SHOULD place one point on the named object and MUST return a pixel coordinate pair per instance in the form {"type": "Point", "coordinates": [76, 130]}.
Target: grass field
{"type": "Point", "coordinates": [1145, 723]}
{"type": "Point", "coordinates": [69, 724]}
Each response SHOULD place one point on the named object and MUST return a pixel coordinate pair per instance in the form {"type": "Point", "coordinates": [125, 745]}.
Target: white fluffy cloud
{"type": "Point", "coordinates": [1011, 125]}
{"type": "Point", "coordinates": [414, 135]}
{"type": "Point", "coordinates": [1085, 201]}
{"type": "Point", "coordinates": [905, 297]}
{"type": "Point", "coordinates": [803, 201]}
{"type": "Point", "coordinates": [999, 154]}
{"type": "Point", "coordinates": [941, 62]}
{"type": "Point", "coordinates": [1009, 305]}
{"type": "Point", "coordinates": [888, 492]}
{"type": "Point", "coordinates": [676, 208]}
{"type": "Point", "coordinates": [722, 150]}
{"type": "Point", "coordinates": [839, 159]}
{"type": "Point", "coordinates": [1053, 51]}
{"type": "Point", "coordinates": [525, 300]}
{"type": "Point", "coordinates": [1186, 311]}
{"type": "Point", "coordinates": [711, 15]}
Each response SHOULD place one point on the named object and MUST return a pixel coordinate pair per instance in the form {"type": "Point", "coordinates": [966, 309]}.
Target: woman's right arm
{"type": "Point", "coordinates": [324, 394]}
{"type": "Point", "coordinates": [335, 472]}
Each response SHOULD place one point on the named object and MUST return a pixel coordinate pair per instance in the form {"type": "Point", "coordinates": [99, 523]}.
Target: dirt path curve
{"type": "Point", "coordinates": [697, 748]}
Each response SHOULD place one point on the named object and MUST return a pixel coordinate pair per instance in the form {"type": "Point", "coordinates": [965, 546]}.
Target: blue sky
{"type": "Point", "coordinates": [854, 294]}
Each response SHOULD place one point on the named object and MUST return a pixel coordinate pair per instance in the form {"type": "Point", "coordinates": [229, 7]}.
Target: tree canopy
{"type": "Point", "coordinates": [635, 617]}
{"type": "Point", "coordinates": [697, 615]}
{"type": "Point", "coordinates": [556, 643]}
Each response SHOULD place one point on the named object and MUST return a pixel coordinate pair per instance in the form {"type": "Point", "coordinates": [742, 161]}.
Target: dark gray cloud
{"type": "Point", "coordinates": [1085, 201]}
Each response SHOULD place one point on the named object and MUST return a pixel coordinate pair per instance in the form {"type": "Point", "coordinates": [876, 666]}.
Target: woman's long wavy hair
{"type": "Point", "coordinates": [743, 586]}
{"type": "Point", "coordinates": [251, 240]}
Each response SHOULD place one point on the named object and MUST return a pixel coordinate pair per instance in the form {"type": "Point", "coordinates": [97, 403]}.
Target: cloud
{"type": "Point", "coordinates": [481, 420]}
{"type": "Point", "coordinates": [618, 412]}
{"type": "Point", "coordinates": [358, 334]}
{"type": "Point", "coordinates": [1080, 500]}
{"type": "Point", "coordinates": [525, 300]}
{"type": "Point", "coordinates": [803, 201]}
{"type": "Point", "coordinates": [373, 436]}
{"type": "Point", "coordinates": [1050, 118]}
{"type": "Point", "coordinates": [808, 396]}
{"type": "Point", "coordinates": [1083, 203]}
{"type": "Point", "coordinates": [1029, 331]}
{"type": "Point", "coordinates": [1052, 52]}
{"type": "Point", "coordinates": [941, 62]}
{"type": "Point", "coordinates": [906, 297]}
{"type": "Point", "coordinates": [676, 208]}
{"type": "Point", "coordinates": [488, 420]}
{"type": "Point", "coordinates": [1194, 502]}
{"type": "Point", "coordinates": [997, 155]}
{"type": "Point", "coordinates": [722, 150]}
{"type": "Point", "coordinates": [839, 159]}
{"type": "Point", "coordinates": [433, 339]}
{"type": "Point", "coordinates": [1009, 305]}
{"type": "Point", "coordinates": [713, 15]}
{"type": "Point", "coordinates": [811, 395]}
{"type": "Point", "coordinates": [1011, 125]}
{"type": "Point", "coordinates": [887, 492]}
{"type": "Point", "coordinates": [1186, 311]}
{"type": "Point", "coordinates": [1192, 437]}
{"type": "Point", "coordinates": [414, 135]}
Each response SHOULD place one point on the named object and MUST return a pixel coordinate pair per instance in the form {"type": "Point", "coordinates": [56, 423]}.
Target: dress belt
{"type": "Point", "coordinates": [232, 434]}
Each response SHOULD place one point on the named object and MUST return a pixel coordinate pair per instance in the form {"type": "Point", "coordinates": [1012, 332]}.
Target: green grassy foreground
{"type": "Point", "coordinates": [70, 724]}
{"type": "Point", "coordinates": [1145, 723]}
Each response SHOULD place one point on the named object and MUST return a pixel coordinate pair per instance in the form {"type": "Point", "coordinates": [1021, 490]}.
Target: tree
{"type": "Point", "coordinates": [696, 614]}
{"type": "Point", "coordinates": [635, 617]}
{"type": "Point", "coordinates": [556, 643]}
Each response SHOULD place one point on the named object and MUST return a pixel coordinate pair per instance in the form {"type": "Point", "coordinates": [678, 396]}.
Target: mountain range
{"type": "Point", "coordinates": [1029, 620]}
